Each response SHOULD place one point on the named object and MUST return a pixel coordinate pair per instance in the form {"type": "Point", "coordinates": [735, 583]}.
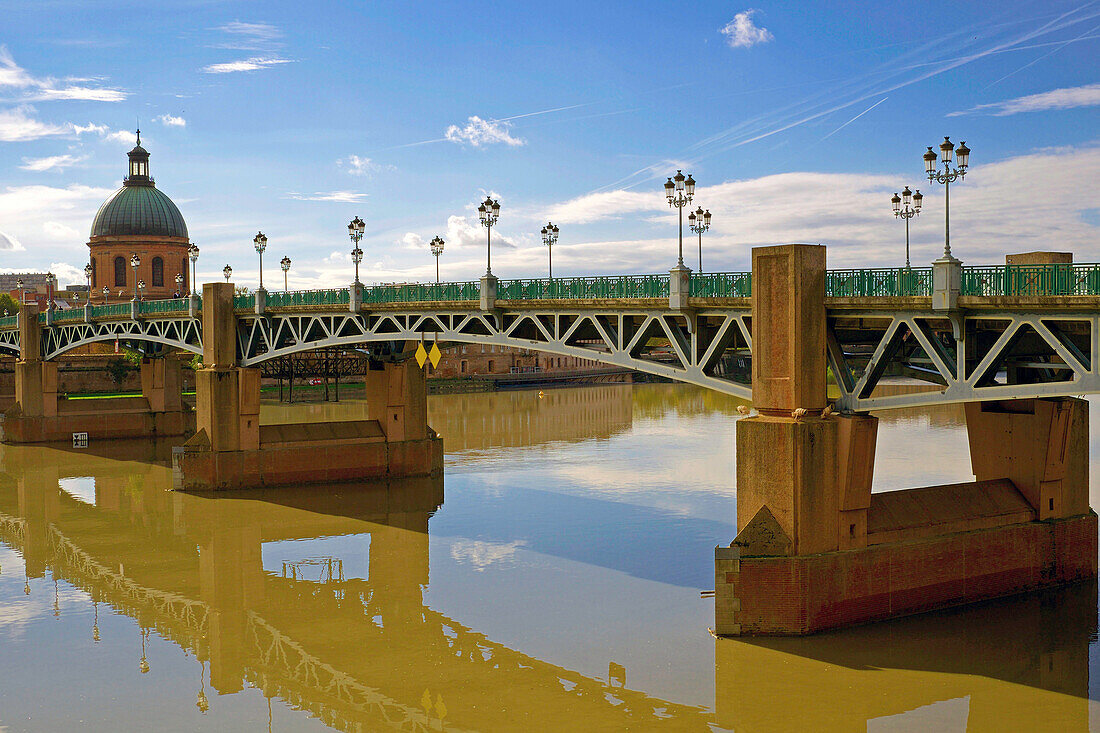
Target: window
{"type": "Point", "coordinates": [490, 366]}
{"type": "Point", "coordinates": [158, 272]}
{"type": "Point", "coordinates": [120, 272]}
{"type": "Point", "coordinates": [93, 273]}
{"type": "Point", "coordinates": [462, 365]}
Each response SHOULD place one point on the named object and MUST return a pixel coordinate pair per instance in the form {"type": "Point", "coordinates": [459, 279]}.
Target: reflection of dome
{"type": "Point", "coordinates": [135, 209]}
{"type": "Point", "coordinates": [138, 207]}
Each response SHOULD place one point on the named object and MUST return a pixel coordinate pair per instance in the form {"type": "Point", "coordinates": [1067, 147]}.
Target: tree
{"type": "Point", "coordinates": [9, 304]}
{"type": "Point", "coordinates": [117, 369]}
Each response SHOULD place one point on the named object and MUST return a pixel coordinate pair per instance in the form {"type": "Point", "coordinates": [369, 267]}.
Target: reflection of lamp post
{"type": "Point", "coordinates": [134, 262]}
{"type": "Point", "coordinates": [699, 222]}
{"type": "Point", "coordinates": [200, 701]}
{"type": "Point", "coordinates": [355, 231]}
{"type": "Point", "coordinates": [906, 207]}
{"type": "Point", "coordinates": [488, 212]}
{"type": "Point", "coordinates": [550, 238]}
{"type": "Point", "coordinates": [679, 191]}
{"type": "Point", "coordinates": [144, 665]}
{"type": "Point", "coordinates": [260, 242]}
{"type": "Point", "coordinates": [228, 272]}
{"type": "Point", "coordinates": [947, 176]}
{"type": "Point", "coordinates": [193, 255]}
{"type": "Point", "coordinates": [437, 249]}
{"type": "Point", "coordinates": [285, 265]}
{"type": "Point", "coordinates": [95, 622]}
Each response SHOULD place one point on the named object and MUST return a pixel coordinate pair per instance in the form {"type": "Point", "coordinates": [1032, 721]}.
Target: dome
{"type": "Point", "coordinates": [139, 210]}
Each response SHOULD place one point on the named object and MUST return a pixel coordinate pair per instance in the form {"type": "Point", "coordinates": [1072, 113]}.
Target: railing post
{"type": "Point", "coordinates": [355, 297]}
{"type": "Point", "coordinates": [88, 312]}
{"type": "Point", "coordinates": [260, 301]}
{"type": "Point", "coordinates": [946, 283]}
{"type": "Point", "coordinates": [135, 309]}
{"type": "Point", "coordinates": [194, 302]}
{"type": "Point", "coordinates": [679, 287]}
{"type": "Point", "coordinates": [489, 285]}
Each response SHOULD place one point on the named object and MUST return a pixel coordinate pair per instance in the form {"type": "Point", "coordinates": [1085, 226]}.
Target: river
{"type": "Point", "coordinates": [550, 580]}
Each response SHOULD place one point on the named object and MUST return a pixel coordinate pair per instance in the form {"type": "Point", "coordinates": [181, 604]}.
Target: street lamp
{"type": "Point", "coordinates": [285, 264]}
{"type": "Point", "coordinates": [355, 231]}
{"type": "Point", "coordinates": [679, 190]}
{"type": "Point", "coordinates": [550, 238]}
{"type": "Point", "coordinates": [699, 222]}
{"type": "Point", "coordinates": [179, 283]}
{"type": "Point", "coordinates": [488, 212]}
{"type": "Point", "coordinates": [141, 289]}
{"type": "Point", "coordinates": [88, 277]}
{"type": "Point", "coordinates": [228, 272]}
{"type": "Point", "coordinates": [437, 249]}
{"type": "Point", "coordinates": [193, 255]}
{"type": "Point", "coordinates": [906, 207]}
{"type": "Point", "coordinates": [260, 242]}
{"type": "Point", "coordinates": [947, 176]}
{"type": "Point", "coordinates": [106, 290]}
{"type": "Point", "coordinates": [134, 262]}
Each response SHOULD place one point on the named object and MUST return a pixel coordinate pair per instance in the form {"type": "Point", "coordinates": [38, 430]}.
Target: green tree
{"type": "Point", "coordinates": [117, 369]}
{"type": "Point", "coordinates": [9, 304]}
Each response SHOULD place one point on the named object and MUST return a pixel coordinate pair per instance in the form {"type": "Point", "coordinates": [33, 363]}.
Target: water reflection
{"type": "Point", "coordinates": [553, 585]}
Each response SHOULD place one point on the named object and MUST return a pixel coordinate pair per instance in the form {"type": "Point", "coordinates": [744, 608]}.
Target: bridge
{"type": "Point", "coordinates": [808, 346]}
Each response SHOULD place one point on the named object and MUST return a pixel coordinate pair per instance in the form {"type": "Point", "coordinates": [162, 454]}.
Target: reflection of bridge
{"type": "Point", "coordinates": [358, 654]}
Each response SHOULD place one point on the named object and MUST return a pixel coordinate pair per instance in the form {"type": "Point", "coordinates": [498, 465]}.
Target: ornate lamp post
{"type": "Point", "coordinates": [947, 176]}
{"type": "Point", "coordinates": [488, 212]}
{"type": "Point", "coordinates": [193, 255]}
{"type": "Point", "coordinates": [550, 238]}
{"type": "Point", "coordinates": [906, 207]}
{"type": "Point", "coordinates": [699, 222]}
{"type": "Point", "coordinates": [141, 289]}
{"type": "Point", "coordinates": [285, 265]}
{"type": "Point", "coordinates": [355, 231]}
{"type": "Point", "coordinates": [679, 190]}
{"type": "Point", "coordinates": [437, 249]}
{"type": "Point", "coordinates": [88, 277]}
{"type": "Point", "coordinates": [134, 262]}
{"type": "Point", "coordinates": [260, 242]}
{"type": "Point", "coordinates": [22, 297]}
{"type": "Point", "coordinates": [179, 283]}
{"type": "Point", "coordinates": [106, 291]}
{"type": "Point", "coordinates": [228, 272]}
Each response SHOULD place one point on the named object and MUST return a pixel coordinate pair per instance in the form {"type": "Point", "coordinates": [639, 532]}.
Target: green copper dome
{"type": "Point", "coordinates": [138, 207]}
{"type": "Point", "coordinates": [139, 210]}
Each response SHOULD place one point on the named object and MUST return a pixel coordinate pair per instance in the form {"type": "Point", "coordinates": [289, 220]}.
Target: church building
{"type": "Point", "coordinates": [138, 225]}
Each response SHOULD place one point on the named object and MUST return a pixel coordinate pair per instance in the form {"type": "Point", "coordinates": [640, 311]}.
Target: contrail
{"type": "Point", "coordinates": [855, 118]}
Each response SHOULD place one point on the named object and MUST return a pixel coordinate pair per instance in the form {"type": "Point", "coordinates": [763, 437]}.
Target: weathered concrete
{"type": "Point", "coordinates": [231, 450]}
{"type": "Point", "coordinates": [816, 549]}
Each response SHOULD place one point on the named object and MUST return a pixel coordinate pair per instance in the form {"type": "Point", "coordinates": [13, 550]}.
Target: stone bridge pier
{"type": "Point", "coordinates": [40, 415]}
{"type": "Point", "coordinates": [232, 450]}
{"type": "Point", "coordinates": [817, 549]}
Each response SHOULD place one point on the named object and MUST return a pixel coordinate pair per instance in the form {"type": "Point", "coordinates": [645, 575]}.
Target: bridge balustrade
{"type": "Point", "coordinates": [1058, 279]}
{"type": "Point", "coordinates": [418, 293]}
{"type": "Point", "coordinates": [290, 298]}
{"type": "Point", "coordinates": [722, 285]}
{"type": "Point", "coordinates": [574, 288]}
{"type": "Point", "coordinates": [900, 282]}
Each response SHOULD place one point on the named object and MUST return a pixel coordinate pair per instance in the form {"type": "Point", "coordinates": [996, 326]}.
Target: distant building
{"type": "Point", "coordinates": [482, 359]}
{"type": "Point", "coordinates": [138, 219]}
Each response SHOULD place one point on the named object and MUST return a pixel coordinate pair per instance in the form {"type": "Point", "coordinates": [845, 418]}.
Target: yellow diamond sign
{"type": "Point", "coordinates": [435, 355]}
{"type": "Point", "coordinates": [421, 355]}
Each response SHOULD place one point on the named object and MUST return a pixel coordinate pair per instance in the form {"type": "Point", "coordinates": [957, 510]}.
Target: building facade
{"type": "Point", "coordinates": [138, 225]}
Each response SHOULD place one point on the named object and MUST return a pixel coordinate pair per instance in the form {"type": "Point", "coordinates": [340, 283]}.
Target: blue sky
{"type": "Point", "coordinates": [798, 120]}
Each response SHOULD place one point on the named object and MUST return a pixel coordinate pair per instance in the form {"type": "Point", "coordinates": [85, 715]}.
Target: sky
{"type": "Point", "coordinates": [798, 120]}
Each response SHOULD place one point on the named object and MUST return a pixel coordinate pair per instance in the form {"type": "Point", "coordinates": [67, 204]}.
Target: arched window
{"type": "Point", "coordinates": [120, 272]}
{"type": "Point", "coordinates": [158, 272]}
{"type": "Point", "coordinates": [93, 273]}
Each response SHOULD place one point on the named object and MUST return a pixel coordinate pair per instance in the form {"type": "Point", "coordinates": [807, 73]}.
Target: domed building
{"type": "Point", "coordinates": [138, 219]}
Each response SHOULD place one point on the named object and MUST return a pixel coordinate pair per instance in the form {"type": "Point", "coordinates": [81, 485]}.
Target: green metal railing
{"type": "Point", "coordinates": [7, 322]}
{"type": "Point", "coordinates": [878, 283]}
{"type": "Point", "coordinates": [111, 309]}
{"type": "Point", "coordinates": [574, 288]}
{"type": "Point", "coordinates": [416, 293]}
{"type": "Point", "coordinates": [170, 305]}
{"type": "Point", "coordinates": [339, 296]}
{"type": "Point", "coordinates": [1067, 279]}
{"type": "Point", "coordinates": [244, 301]}
{"type": "Point", "coordinates": [722, 285]}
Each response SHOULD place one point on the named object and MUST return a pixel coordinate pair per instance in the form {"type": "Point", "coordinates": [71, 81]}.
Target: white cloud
{"type": "Point", "coordinates": [171, 120]}
{"type": "Point", "coordinates": [67, 274]}
{"type": "Point", "coordinates": [341, 197]}
{"type": "Point", "coordinates": [357, 166]}
{"type": "Point", "coordinates": [478, 132]}
{"type": "Point", "coordinates": [250, 36]}
{"type": "Point", "coordinates": [1065, 98]}
{"type": "Point", "coordinates": [126, 137]}
{"type": "Point", "coordinates": [56, 230]}
{"type": "Point", "coordinates": [50, 89]}
{"type": "Point", "coordinates": [252, 64]}
{"type": "Point", "coordinates": [53, 162]}
{"type": "Point", "coordinates": [742, 33]}
{"type": "Point", "coordinates": [10, 243]}
{"type": "Point", "coordinates": [17, 125]}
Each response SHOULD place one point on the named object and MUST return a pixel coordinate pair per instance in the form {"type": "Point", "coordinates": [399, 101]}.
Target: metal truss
{"type": "Point", "coordinates": [180, 333]}
{"type": "Point", "coordinates": [686, 347]}
{"type": "Point", "coordinates": [974, 356]}
{"type": "Point", "coordinates": [9, 340]}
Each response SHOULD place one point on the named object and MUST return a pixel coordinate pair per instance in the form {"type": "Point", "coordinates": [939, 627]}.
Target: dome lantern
{"type": "Point", "coordinates": [139, 165]}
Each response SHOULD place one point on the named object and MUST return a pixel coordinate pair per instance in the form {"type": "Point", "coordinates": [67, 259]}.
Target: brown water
{"type": "Point", "coordinates": [549, 581]}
